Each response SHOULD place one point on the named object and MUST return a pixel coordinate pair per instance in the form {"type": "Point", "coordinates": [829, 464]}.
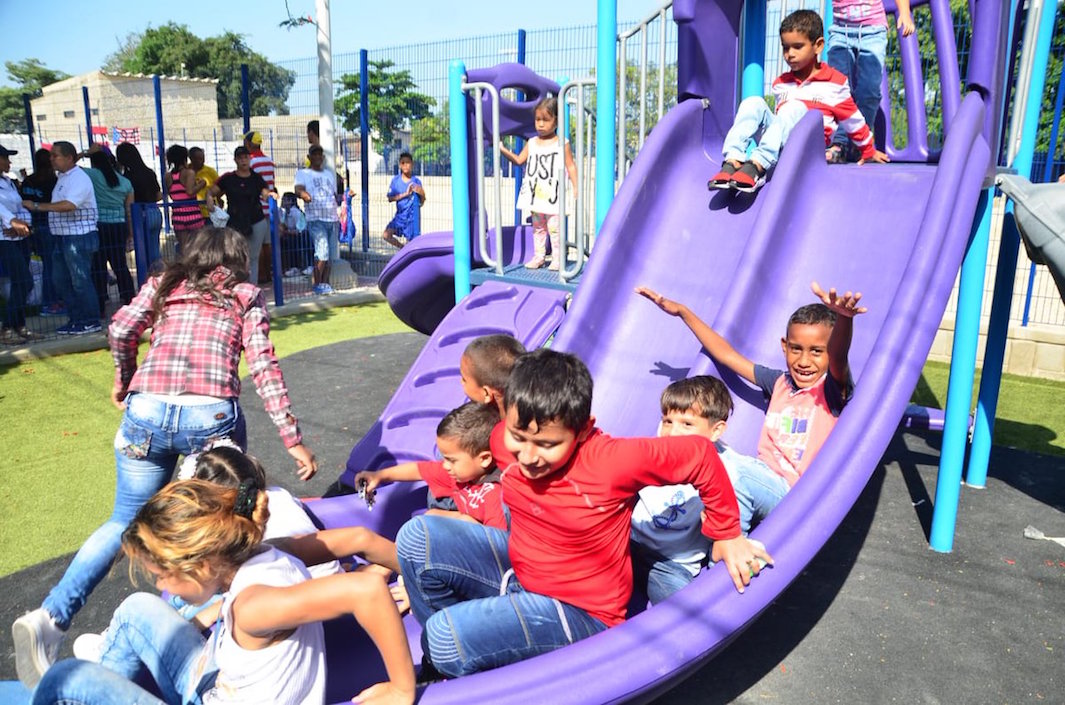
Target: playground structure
{"type": "Point", "coordinates": [736, 263]}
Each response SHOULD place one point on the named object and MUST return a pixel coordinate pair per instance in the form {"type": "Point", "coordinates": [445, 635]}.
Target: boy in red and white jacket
{"type": "Point", "coordinates": [564, 574]}
{"type": "Point", "coordinates": [810, 85]}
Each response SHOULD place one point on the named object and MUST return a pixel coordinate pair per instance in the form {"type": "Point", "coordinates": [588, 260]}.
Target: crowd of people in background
{"type": "Point", "coordinates": [69, 227]}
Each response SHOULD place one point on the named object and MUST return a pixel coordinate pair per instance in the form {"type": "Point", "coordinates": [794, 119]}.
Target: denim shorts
{"type": "Point", "coordinates": [325, 236]}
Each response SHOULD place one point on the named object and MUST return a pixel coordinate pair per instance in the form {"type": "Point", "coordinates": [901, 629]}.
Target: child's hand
{"type": "Point", "coordinates": [386, 693]}
{"type": "Point", "coordinates": [668, 305]}
{"type": "Point", "coordinates": [118, 396]}
{"type": "Point", "coordinates": [306, 465]}
{"type": "Point", "coordinates": [905, 24]}
{"type": "Point", "coordinates": [843, 305]}
{"type": "Point", "coordinates": [741, 556]}
{"type": "Point", "coordinates": [878, 157]}
{"type": "Point", "coordinates": [371, 478]}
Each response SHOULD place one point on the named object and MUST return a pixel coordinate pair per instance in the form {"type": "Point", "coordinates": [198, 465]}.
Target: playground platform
{"type": "Point", "coordinates": [876, 617]}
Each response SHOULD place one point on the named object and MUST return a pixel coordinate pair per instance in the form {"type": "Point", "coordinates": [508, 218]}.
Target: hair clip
{"type": "Point", "coordinates": [246, 495]}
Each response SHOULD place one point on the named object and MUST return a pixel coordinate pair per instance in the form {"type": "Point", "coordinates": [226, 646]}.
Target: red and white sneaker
{"type": "Point", "coordinates": [723, 178]}
{"type": "Point", "coordinates": [747, 178]}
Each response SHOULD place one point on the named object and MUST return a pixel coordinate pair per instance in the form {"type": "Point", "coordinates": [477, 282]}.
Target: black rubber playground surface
{"type": "Point", "coordinates": [877, 617]}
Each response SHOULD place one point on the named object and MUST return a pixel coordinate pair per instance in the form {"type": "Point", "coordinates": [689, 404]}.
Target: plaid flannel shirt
{"type": "Point", "coordinates": [195, 348]}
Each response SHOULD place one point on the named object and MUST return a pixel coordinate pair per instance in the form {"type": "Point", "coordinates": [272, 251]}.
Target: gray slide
{"type": "Point", "coordinates": [1040, 213]}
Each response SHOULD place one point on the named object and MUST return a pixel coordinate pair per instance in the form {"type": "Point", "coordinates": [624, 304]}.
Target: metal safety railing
{"type": "Point", "coordinates": [478, 88]}
{"type": "Point", "coordinates": [582, 158]}
{"type": "Point", "coordinates": [642, 32]}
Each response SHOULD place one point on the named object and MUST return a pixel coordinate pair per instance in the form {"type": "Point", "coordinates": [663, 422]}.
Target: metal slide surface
{"type": "Point", "coordinates": [897, 233]}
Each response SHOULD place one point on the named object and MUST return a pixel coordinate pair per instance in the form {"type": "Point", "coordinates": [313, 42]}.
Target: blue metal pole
{"type": "Point", "coordinates": [29, 121]}
{"type": "Point", "coordinates": [157, 87]}
{"type": "Point", "coordinates": [994, 352]}
{"type": "Point", "coordinates": [519, 143]}
{"type": "Point", "coordinates": [364, 147]}
{"type": "Point", "coordinates": [960, 385]}
{"type": "Point", "coordinates": [275, 255]}
{"type": "Point", "coordinates": [460, 177]}
{"type": "Point", "coordinates": [214, 133]}
{"type": "Point", "coordinates": [753, 79]}
{"type": "Point", "coordinates": [88, 113]}
{"type": "Point", "coordinates": [606, 90]}
{"type": "Point", "coordinates": [245, 97]}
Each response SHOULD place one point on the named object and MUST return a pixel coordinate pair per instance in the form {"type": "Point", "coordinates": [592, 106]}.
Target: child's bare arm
{"type": "Point", "coordinates": [331, 544]}
{"type": "Point", "coordinates": [839, 343]}
{"type": "Point", "coordinates": [260, 612]}
{"type": "Point", "coordinates": [404, 472]}
{"type": "Point", "coordinates": [517, 159]}
{"type": "Point", "coordinates": [719, 348]}
{"type": "Point", "coordinates": [904, 22]}
{"type": "Point", "coordinates": [571, 168]}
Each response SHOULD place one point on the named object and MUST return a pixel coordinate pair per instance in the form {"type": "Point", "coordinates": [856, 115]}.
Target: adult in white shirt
{"type": "Point", "coordinates": [14, 254]}
{"type": "Point", "coordinates": [72, 219]}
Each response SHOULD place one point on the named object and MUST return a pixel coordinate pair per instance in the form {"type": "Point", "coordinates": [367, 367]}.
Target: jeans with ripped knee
{"type": "Point", "coordinates": [152, 437]}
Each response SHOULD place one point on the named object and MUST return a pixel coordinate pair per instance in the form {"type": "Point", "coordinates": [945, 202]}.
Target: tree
{"type": "Point", "coordinates": [391, 97]}
{"type": "Point", "coordinates": [174, 50]}
{"type": "Point", "coordinates": [430, 139]}
{"type": "Point", "coordinates": [30, 75]}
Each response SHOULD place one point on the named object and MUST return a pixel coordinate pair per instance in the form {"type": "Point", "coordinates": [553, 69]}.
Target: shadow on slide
{"type": "Point", "coordinates": [897, 233]}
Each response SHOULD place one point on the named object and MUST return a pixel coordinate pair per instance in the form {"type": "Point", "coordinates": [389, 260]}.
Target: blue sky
{"type": "Point", "coordinates": [72, 39]}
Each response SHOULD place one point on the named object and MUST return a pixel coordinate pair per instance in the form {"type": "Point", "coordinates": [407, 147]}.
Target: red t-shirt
{"type": "Point", "coordinates": [481, 500]}
{"type": "Point", "coordinates": [569, 531]}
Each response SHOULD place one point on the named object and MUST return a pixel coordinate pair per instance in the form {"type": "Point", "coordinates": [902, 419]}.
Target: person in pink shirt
{"type": "Point", "coordinates": [806, 398]}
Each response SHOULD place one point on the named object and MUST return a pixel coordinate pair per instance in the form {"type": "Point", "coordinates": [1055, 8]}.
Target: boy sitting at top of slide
{"type": "Point", "coordinates": [810, 85]}
{"type": "Point", "coordinates": [486, 599]}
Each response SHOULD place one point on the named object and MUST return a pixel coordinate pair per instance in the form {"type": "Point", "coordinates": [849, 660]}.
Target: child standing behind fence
{"type": "Point", "coordinates": [407, 193]}
{"type": "Point", "coordinates": [857, 47]}
{"type": "Point", "coordinates": [540, 188]}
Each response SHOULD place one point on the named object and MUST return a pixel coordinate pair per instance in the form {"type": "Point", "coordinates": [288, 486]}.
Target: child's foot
{"type": "Point", "coordinates": [554, 265]}
{"type": "Point", "coordinates": [536, 262]}
{"type": "Point", "coordinates": [37, 640]}
{"type": "Point", "coordinates": [399, 594]}
{"type": "Point", "coordinates": [89, 647]}
{"type": "Point", "coordinates": [721, 179]}
{"type": "Point", "coordinates": [748, 178]}
{"type": "Point", "coordinates": [834, 155]}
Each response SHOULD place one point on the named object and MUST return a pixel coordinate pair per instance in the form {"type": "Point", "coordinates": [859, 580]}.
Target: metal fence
{"type": "Point", "coordinates": [647, 65]}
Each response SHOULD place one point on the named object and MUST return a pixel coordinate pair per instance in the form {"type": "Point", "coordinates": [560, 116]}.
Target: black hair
{"type": "Point", "coordinates": [203, 252]}
{"type": "Point", "coordinates": [550, 104]}
{"type": "Point", "coordinates": [811, 315]}
{"type": "Point", "coordinates": [470, 426]}
{"type": "Point", "coordinates": [177, 156]}
{"type": "Point", "coordinates": [42, 162]}
{"type": "Point", "coordinates": [241, 150]}
{"type": "Point", "coordinates": [229, 467]}
{"type": "Point", "coordinates": [491, 359]}
{"type": "Point", "coordinates": [65, 148]}
{"type": "Point", "coordinates": [316, 148]}
{"type": "Point", "coordinates": [407, 156]}
{"type": "Point", "coordinates": [195, 149]}
{"type": "Point", "coordinates": [130, 157]}
{"type": "Point", "coordinates": [705, 395]}
{"type": "Point", "coordinates": [312, 126]}
{"type": "Point", "coordinates": [806, 22]}
{"type": "Point", "coordinates": [547, 385]}
{"type": "Point", "coordinates": [102, 161]}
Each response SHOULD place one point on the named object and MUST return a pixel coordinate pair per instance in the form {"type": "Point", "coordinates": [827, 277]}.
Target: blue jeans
{"type": "Point", "coordinates": [656, 574]}
{"type": "Point", "coordinates": [150, 439]}
{"type": "Point", "coordinates": [15, 258]}
{"type": "Point", "coordinates": [858, 53]}
{"type": "Point", "coordinates": [72, 275]}
{"type": "Point", "coordinates": [324, 235]}
{"type": "Point", "coordinates": [758, 489]}
{"type": "Point", "coordinates": [148, 222]}
{"type": "Point", "coordinates": [146, 637]}
{"type": "Point", "coordinates": [112, 251]}
{"type": "Point", "coordinates": [475, 616]}
{"type": "Point", "coordinates": [757, 125]}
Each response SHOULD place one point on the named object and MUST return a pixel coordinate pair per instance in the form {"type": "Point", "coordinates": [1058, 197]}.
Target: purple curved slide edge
{"type": "Point", "coordinates": [419, 280]}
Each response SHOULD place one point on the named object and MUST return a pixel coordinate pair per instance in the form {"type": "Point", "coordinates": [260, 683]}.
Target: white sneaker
{"type": "Point", "coordinates": [292, 272]}
{"type": "Point", "coordinates": [37, 640]}
{"type": "Point", "coordinates": [308, 271]}
{"type": "Point", "coordinates": [89, 647]}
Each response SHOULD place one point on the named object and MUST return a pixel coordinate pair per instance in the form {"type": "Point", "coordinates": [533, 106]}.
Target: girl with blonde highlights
{"type": "Point", "coordinates": [195, 539]}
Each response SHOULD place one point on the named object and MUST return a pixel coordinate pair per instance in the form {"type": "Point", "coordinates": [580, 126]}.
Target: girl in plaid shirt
{"type": "Point", "coordinates": [203, 313]}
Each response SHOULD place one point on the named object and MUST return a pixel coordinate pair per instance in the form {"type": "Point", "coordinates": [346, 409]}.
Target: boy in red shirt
{"type": "Point", "coordinates": [565, 573]}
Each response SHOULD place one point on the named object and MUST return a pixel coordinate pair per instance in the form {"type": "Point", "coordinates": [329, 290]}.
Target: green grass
{"type": "Point", "coordinates": [57, 474]}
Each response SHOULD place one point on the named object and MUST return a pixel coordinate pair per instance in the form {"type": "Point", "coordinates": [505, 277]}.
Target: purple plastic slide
{"type": "Point", "coordinates": [896, 232]}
